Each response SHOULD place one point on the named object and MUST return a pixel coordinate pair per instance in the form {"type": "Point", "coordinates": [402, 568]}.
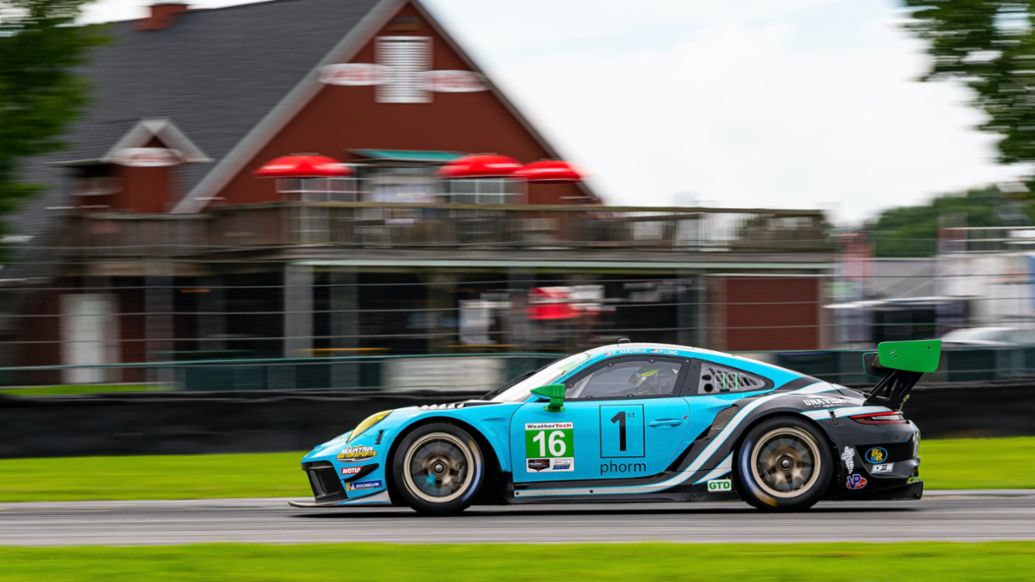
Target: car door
{"type": "Point", "coordinates": [623, 417]}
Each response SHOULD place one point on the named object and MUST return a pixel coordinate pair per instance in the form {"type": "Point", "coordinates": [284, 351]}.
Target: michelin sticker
{"type": "Point", "coordinates": [364, 485]}
{"type": "Point", "coordinates": [849, 458]}
{"type": "Point", "coordinates": [549, 447]}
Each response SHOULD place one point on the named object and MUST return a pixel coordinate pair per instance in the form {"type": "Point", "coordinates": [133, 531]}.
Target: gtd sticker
{"type": "Point", "coordinates": [877, 455]}
{"type": "Point", "coordinates": [716, 485]}
{"type": "Point", "coordinates": [550, 447]}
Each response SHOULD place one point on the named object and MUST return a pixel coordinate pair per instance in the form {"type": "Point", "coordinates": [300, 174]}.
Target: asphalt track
{"type": "Point", "coordinates": [956, 516]}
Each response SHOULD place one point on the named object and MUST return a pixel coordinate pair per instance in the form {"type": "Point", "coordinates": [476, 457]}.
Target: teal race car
{"type": "Point", "coordinates": [640, 422]}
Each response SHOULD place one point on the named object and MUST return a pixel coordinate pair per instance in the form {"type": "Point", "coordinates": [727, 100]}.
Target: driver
{"type": "Point", "coordinates": [653, 380]}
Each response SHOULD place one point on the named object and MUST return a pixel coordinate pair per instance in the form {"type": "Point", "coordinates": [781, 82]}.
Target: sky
{"type": "Point", "coordinates": [738, 103]}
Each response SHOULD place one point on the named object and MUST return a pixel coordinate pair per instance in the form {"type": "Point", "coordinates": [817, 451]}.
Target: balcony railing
{"type": "Point", "coordinates": [414, 226]}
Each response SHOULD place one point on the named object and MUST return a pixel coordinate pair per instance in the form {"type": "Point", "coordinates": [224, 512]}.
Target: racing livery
{"type": "Point", "coordinates": [639, 422]}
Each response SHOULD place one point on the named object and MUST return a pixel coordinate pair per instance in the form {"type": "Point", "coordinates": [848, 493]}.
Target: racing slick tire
{"type": "Point", "coordinates": [438, 469]}
{"type": "Point", "coordinates": [783, 464]}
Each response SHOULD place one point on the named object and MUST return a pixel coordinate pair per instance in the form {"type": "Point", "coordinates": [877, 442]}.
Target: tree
{"type": "Point", "coordinates": [40, 94]}
{"type": "Point", "coordinates": [990, 46]}
{"type": "Point", "coordinates": [912, 231]}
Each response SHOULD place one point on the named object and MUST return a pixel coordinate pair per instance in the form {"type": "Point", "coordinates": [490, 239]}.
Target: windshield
{"type": "Point", "coordinates": [521, 388]}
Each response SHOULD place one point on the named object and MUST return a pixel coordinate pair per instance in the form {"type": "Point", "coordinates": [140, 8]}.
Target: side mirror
{"type": "Point", "coordinates": [555, 393]}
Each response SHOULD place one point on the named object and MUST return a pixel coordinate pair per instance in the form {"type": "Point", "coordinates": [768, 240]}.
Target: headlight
{"type": "Point", "coordinates": [367, 423]}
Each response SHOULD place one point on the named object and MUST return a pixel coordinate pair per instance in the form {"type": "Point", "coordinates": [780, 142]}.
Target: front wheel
{"type": "Point", "coordinates": [438, 469]}
{"type": "Point", "coordinates": [783, 464]}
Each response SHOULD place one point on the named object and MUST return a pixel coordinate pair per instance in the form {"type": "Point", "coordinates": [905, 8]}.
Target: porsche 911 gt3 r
{"type": "Point", "coordinates": [639, 422]}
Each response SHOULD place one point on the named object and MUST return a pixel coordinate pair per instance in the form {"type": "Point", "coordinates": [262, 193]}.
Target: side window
{"type": "Point", "coordinates": [716, 379]}
{"type": "Point", "coordinates": [627, 378]}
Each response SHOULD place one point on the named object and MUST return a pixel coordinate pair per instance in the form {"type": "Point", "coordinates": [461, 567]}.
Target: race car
{"type": "Point", "coordinates": [640, 422]}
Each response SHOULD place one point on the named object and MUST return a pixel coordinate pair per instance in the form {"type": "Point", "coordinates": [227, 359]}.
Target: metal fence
{"type": "Point", "coordinates": [326, 295]}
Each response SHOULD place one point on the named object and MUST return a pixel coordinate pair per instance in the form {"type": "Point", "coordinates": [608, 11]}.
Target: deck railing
{"type": "Point", "coordinates": [402, 226]}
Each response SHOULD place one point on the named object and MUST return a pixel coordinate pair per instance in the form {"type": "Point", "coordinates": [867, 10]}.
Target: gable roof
{"type": "Point", "coordinates": [215, 73]}
{"type": "Point", "coordinates": [225, 78]}
{"type": "Point", "coordinates": [164, 131]}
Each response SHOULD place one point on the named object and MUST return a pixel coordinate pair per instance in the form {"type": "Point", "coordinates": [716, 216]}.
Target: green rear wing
{"type": "Point", "coordinates": [901, 364]}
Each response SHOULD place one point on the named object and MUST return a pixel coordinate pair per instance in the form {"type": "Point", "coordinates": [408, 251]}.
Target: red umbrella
{"type": "Point", "coordinates": [557, 171]}
{"type": "Point", "coordinates": [550, 304]}
{"type": "Point", "coordinates": [480, 166]}
{"type": "Point", "coordinates": [303, 166]}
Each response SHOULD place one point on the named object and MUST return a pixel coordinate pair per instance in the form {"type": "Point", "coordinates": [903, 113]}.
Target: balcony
{"type": "Point", "coordinates": [372, 225]}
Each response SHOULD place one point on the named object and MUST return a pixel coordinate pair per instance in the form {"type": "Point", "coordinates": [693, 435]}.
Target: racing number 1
{"type": "Point", "coordinates": [621, 430]}
{"type": "Point", "coordinates": [622, 438]}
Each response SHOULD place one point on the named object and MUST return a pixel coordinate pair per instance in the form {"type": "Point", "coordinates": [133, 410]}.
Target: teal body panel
{"type": "Point", "coordinates": [656, 430]}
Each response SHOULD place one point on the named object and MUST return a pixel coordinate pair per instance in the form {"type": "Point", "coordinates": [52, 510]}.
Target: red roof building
{"type": "Point", "coordinates": [255, 161]}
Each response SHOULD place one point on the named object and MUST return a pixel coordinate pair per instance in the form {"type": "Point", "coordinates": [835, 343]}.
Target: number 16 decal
{"type": "Point", "coordinates": [621, 430]}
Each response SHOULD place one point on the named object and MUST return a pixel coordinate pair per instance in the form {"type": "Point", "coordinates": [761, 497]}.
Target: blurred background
{"type": "Point", "coordinates": [332, 197]}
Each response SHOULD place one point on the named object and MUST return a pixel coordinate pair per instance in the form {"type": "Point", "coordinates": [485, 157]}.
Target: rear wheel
{"type": "Point", "coordinates": [783, 464]}
{"type": "Point", "coordinates": [438, 469]}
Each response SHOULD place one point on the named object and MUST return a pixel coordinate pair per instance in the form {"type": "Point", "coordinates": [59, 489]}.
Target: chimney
{"type": "Point", "coordinates": [163, 15]}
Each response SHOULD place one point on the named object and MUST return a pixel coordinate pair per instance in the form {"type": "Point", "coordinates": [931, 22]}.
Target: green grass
{"type": "Point", "coordinates": [1004, 463]}
{"type": "Point", "coordinates": [1007, 463]}
{"type": "Point", "coordinates": [914, 561]}
{"type": "Point", "coordinates": [77, 389]}
{"type": "Point", "coordinates": [153, 477]}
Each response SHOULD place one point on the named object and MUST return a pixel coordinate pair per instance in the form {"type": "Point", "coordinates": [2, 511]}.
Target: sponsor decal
{"type": "Point", "coordinates": [824, 401]}
{"type": "Point", "coordinates": [346, 471]}
{"type": "Point", "coordinates": [877, 455]}
{"type": "Point", "coordinates": [613, 467]}
{"type": "Point", "coordinates": [364, 485]}
{"type": "Point", "coordinates": [147, 157]}
{"type": "Point", "coordinates": [537, 465]}
{"type": "Point", "coordinates": [855, 482]}
{"type": "Point", "coordinates": [550, 446]}
{"type": "Point", "coordinates": [451, 81]}
{"type": "Point", "coordinates": [848, 456]}
{"type": "Point", "coordinates": [354, 74]}
{"type": "Point", "coordinates": [360, 453]}
{"type": "Point", "coordinates": [885, 468]}
{"type": "Point", "coordinates": [563, 464]}
{"type": "Point", "coordinates": [716, 485]}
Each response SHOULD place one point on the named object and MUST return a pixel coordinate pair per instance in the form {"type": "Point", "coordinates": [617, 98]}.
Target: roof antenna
{"type": "Point", "coordinates": [623, 340]}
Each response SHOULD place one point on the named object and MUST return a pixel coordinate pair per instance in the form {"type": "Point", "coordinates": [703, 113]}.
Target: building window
{"type": "Point", "coordinates": [343, 189]}
{"type": "Point", "coordinates": [406, 58]}
{"type": "Point", "coordinates": [482, 191]}
{"type": "Point", "coordinates": [414, 185]}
